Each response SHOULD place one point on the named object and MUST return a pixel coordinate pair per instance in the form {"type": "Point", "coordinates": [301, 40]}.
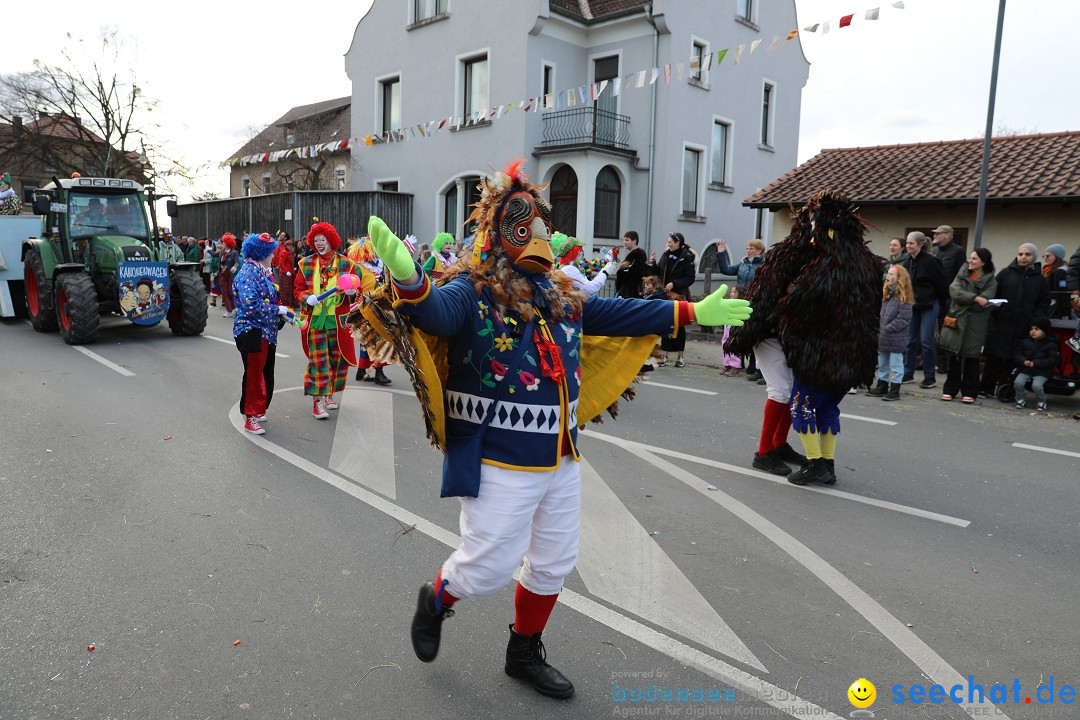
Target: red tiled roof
{"type": "Point", "coordinates": [590, 11]}
{"type": "Point", "coordinates": [1022, 168]}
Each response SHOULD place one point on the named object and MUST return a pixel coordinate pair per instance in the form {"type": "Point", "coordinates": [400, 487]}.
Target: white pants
{"type": "Point", "coordinates": [773, 366]}
{"type": "Point", "coordinates": [530, 515]}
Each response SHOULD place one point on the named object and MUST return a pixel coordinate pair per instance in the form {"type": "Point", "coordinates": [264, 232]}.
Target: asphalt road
{"type": "Point", "coordinates": [138, 518]}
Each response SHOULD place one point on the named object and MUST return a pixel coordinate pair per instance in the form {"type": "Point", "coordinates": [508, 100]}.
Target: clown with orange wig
{"type": "Point", "coordinates": [508, 359]}
{"type": "Point", "coordinates": [326, 340]}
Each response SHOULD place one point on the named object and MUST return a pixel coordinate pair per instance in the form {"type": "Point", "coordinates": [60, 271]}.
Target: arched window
{"type": "Point", "coordinates": [564, 192]}
{"type": "Point", "coordinates": [606, 211]}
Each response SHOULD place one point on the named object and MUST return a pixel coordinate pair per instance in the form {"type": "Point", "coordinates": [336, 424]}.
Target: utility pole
{"type": "Point", "coordinates": [980, 210]}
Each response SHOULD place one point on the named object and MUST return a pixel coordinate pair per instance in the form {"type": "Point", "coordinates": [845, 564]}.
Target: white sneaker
{"type": "Point", "coordinates": [1074, 343]}
{"type": "Point", "coordinates": [318, 409]}
{"type": "Point", "coordinates": [330, 403]}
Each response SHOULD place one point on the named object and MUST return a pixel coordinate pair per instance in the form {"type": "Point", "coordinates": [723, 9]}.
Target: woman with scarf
{"type": "Point", "coordinates": [327, 341]}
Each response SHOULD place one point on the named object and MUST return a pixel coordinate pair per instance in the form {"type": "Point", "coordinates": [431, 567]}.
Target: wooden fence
{"type": "Point", "coordinates": [347, 210]}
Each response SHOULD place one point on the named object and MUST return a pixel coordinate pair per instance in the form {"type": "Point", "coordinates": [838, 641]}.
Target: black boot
{"type": "Point", "coordinates": [813, 471]}
{"type": "Point", "coordinates": [878, 390]}
{"type": "Point", "coordinates": [830, 471]}
{"type": "Point", "coordinates": [380, 378]}
{"type": "Point", "coordinates": [770, 462]}
{"type": "Point", "coordinates": [361, 375]}
{"type": "Point", "coordinates": [526, 659]}
{"type": "Point", "coordinates": [788, 454]}
{"type": "Point", "coordinates": [427, 624]}
{"type": "Point", "coordinates": [894, 392]}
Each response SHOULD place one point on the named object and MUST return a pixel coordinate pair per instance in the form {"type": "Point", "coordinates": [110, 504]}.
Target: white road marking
{"type": "Point", "coordinates": [904, 639]}
{"type": "Point", "coordinates": [884, 504]}
{"type": "Point", "coordinates": [621, 563]}
{"type": "Point", "coordinates": [1046, 450]}
{"type": "Point", "coordinates": [678, 387]}
{"type": "Point", "coordinates": [364, 440]}
{"type": "Point", "coordinates": [233, 343]}
{"type": "Point", "coordinates": [107, 363]}
{"type": "Point", "coordinates": [751, 685]}
{"type": "Point", "coordinates": [867, 419]}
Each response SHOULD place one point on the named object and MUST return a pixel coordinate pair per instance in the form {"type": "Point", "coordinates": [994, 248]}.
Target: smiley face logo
{"type": "Point", "coordinates": [862, 693]}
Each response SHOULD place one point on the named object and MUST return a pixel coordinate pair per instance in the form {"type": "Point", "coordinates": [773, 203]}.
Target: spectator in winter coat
{"type": "Point", "coordinates": [897, 254]}
{"type": "Point", "coordinates": [897, 297]}
{"type": "Point", "coordinates": [676, 272]}
{"type": "Point", "coordinates": [931, 290]}
{"type": "Point", "coordinates": [964, 332]}
{"type": "Point", "coordinates": [1036, 357]}
{"type": "Point", "coordinates": [744, 271]}
{"type": "Point", "coordinates": [1056, 271]}
{"type": "Point", "coordinates": [1072, 284]}
{"type": "Point", "coordinates": [950, 254]}
{"type": "Point", "coordinates": [631, 270]}
{"type": "Point", "coordinates": [1027, 294]}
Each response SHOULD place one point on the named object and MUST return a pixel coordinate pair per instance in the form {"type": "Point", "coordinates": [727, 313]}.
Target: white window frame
{"type": "Point", "coordinates": [267, 178]}
{"type": "Point", "coordinates": [702, 152]}
{"type": "Point", "coordinates": [459, 82]}
{"type": "Point", "coordinates": [751, 15]}
{"type": "Point", "coordinates": [245, 186]}
{"type": "Point", "coordinates": [617, 53]}
{"type": "Point", "coordinates": [703, 81]}
{"type": "Point", "coordinates": [379, 94]}
{"type": "Point", "coordinates": [412, 11]}
{"type": "Point", "coordinates": [544, 66]}
{"type": "Point", "coordinates": [729, 154]}
{"type": "Point", "coordinates": [768, 121]}
{"type": "Point", "coordinates": [383, 181]}
{"type": "Point", "coordinates": [341, 178]}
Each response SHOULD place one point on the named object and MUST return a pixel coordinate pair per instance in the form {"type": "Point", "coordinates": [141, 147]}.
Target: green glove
{"type": "Point", "coordinates": [717, 309]}
{"type": "Point", "coordinates": [390, 250]}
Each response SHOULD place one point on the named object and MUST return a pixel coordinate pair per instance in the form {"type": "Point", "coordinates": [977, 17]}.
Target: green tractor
{"type": "Point", "coordinates": [98, 255]}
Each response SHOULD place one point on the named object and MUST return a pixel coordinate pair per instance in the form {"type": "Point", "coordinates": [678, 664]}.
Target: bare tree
{"type": "Point", "coordinates": [90, 115]}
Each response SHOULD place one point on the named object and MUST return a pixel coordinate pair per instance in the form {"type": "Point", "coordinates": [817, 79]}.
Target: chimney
{"type": "Point", "coordinates": [16, 123]}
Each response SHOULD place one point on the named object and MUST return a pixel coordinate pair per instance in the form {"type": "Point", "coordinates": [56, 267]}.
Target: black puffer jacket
{"type": "Point", "coordinates": [1043, 353]}
{"type": "Point", "coordinates": [927, 280]}
{"type": "Point", "coordinates": [677, 268]}
{"type": "Point", "coordinates": [1028, 294]}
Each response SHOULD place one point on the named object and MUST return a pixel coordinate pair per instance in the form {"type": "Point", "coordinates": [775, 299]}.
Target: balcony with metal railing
{"type": "Point", "coordinates": [586, 128]}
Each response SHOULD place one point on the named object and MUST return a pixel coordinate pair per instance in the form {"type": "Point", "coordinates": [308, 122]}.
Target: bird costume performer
{"type": "Point", "coordinates": [819, 290]}
{"type": "Point", "coordinates": [508, 359]}
{"type": "Point", "coordinates": [325, 336]}
{"type": "Point", "coordinates": [443, 257]}
{"type": "Point", "coordinates": [370, 269]}
{"type": "Point", "coordinates": [567, 250]}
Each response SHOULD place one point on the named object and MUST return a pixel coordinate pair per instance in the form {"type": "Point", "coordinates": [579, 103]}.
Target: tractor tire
{"type": "Point", "coordinates": [38, 289]}
{"type": "Point", "coordinates": [77, 308]}
{"type": "Point", "coordinates": [187, 305]}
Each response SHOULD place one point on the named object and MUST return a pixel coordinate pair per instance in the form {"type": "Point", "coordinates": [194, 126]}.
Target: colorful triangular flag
{"type": "Point", "coordinates": [846, 21]}
{"type": "Point", "coordinates": [873, 14]}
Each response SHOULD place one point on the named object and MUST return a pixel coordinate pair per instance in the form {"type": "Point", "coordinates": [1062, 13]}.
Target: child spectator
{"type": "Point", "coordinates": [650, 286]}
{"type": "Point", "coordinates": [897, 299]}
{"type": "Point", "coordinates": [732, 362]}
{"type": "Point", "coordinates": [1036, 357]}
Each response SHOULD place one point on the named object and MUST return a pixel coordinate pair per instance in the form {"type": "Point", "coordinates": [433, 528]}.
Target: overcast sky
{"type": "Point", "coordinates": [918, 74]}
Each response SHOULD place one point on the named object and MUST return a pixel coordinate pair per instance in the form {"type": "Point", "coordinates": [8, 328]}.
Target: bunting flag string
{"type": "Point", "coordinates": [558, 100]}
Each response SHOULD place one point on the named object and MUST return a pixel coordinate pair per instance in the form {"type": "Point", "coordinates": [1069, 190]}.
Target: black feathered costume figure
{"type": "Point", "coordinates": [819, 292]}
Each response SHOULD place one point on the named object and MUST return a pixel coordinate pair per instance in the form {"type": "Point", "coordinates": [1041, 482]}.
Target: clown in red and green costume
{"type": "Point", "coordinates": [519, 359]}
{"type": "Point", "coordinates": [325, 337]}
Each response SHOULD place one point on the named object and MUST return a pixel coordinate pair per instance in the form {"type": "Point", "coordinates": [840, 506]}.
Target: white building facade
{"type": "Point", "coordinates": [677, 154]}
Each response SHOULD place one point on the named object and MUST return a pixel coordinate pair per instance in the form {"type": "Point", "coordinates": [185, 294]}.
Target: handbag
{"type": "Point", "coordinates": [950, 322]}
{"type": "Point", "coordinates": [461, 460]}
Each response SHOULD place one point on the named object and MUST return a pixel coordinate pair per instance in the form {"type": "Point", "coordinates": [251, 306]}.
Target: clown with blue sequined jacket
{"type": "Point", "coordinates": [508, 359]}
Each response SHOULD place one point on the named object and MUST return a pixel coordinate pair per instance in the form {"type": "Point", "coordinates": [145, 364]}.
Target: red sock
{"type": "Point", "coordinates": [443, 597]}
{"type": "Point", "coordinates": [531, 611]}
{"type": "Point", "coordinates": [780, 436]}
{"type": "Point", "coordinates": [775, 413]}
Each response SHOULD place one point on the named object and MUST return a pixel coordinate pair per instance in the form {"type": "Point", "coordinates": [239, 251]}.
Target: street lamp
{"type": "Point", "coordinates": [980, 210]}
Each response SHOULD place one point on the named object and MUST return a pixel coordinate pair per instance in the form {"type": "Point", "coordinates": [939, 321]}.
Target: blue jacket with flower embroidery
{"type": "Point", "coordinates": [534, 411]}
{"type": "Point", "coordinates": [256, 301]}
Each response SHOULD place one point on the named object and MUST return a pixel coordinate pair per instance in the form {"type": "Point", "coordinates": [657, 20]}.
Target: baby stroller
{"type": "Point", "coordinates": [1066, 377]}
